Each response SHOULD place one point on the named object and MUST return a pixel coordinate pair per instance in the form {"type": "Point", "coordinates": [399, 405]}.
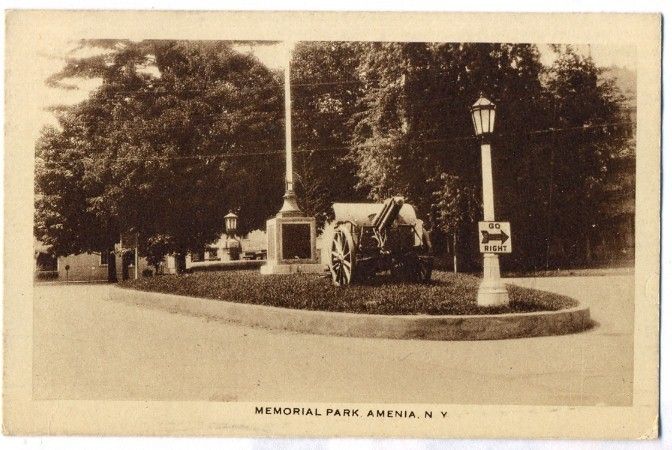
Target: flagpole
{"type": "Point", "coordinates": [289, 205]}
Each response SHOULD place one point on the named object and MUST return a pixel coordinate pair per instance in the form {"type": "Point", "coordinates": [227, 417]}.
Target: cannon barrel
{"type": "Point", "coordinates": [388, 213]}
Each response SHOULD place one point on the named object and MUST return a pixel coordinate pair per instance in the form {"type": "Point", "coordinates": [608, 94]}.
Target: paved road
{"type": "Point", "coordinates": [87, 347]}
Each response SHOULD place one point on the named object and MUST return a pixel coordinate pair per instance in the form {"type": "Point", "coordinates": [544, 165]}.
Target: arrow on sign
{"type": "Point", "coordinates": [487, 237]}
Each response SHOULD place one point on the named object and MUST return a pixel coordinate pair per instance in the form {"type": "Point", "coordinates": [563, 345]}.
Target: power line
{"type": "Point", "coordinates": [212, 156]}
{"type": "Point", "coordinates": [327, 83]}
{"type": "Point", "coordinates": [151, 89]}
{"type": "Point", "coordinates": [428, 105]}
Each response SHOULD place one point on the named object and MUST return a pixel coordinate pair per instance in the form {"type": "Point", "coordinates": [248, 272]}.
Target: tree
{"type": "Point", "coordinates": [556, 145]}
{"type": "Point", "coordinates": [166, 146]}
{"type": "Point", "coordinates": [62, 220]}
{"type": "Point", "coordinates": [325, 96]}
{"type": "Point", "coordinates": [179, 133]}
{"type": "Point", "coordinates": [415, 136]}
{"type": "Point", "coordinates": [590, 108]}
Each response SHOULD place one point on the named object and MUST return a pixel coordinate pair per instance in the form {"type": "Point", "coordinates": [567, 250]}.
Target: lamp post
{"type": "Point", "coordinates": [491, 291]}
{"type": "Point", "coordinates": [231, 225]}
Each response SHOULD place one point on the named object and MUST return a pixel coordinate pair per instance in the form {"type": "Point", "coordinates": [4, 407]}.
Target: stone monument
{"type": "Point", "coordinates": [291, 235]}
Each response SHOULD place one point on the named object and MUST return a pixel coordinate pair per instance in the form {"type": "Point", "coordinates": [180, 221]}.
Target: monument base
{"type": "Point", "coordinates": [291, 246]}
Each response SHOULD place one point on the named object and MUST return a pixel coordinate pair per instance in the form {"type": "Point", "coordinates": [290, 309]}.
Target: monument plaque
{"type": "Point", "coordinates": [296, 241]}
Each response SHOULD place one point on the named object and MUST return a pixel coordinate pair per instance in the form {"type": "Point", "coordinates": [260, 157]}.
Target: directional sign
{"type": "Point", "coordinates": [494, 237]}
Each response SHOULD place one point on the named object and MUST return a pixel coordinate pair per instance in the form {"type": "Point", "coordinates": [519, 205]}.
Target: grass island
{"type": "Point", "coordinates": [446, 294]}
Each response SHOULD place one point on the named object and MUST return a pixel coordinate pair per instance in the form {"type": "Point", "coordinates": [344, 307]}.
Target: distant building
{"type": "Point", "coordinates": [90, 266]}
{"type": "Point", "coordinates": [99, 266]}
{"type": "Point", "coordinates": [104, 266]}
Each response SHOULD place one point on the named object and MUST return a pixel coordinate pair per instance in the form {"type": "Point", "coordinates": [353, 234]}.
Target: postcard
{"type": "Point", "coordinates": [438, 225]}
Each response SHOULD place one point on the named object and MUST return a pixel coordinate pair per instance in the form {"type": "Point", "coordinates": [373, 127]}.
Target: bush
{"type": "Point", "coordinates": [147, 272]}
{"type": "Point", "coordinates": [42, 275]}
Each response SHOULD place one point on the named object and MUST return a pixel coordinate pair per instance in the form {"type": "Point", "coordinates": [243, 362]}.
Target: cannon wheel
{"type": "Point", "coordinates": [342, 260]}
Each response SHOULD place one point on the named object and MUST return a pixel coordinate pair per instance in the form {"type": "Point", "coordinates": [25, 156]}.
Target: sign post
{"type": "Point", "coordinates": [492, 291]}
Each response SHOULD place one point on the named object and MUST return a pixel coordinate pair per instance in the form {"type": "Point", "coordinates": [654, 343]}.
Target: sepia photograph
{"type": "Point", "coordinates": [367, 233]}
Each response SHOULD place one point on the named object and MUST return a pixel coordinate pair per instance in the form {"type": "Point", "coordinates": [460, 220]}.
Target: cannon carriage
{"type": "Point", "coordinates": [370, 238]}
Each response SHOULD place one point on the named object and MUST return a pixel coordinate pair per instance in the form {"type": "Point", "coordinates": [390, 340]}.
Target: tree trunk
{"type": "Point", "coordinates": [455, 252]}
{"type": "Point", "coordinates": [589, 252]}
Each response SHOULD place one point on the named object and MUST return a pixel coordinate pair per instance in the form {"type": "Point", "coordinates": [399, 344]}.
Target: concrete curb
{"type": "Point", "coordinates": [447, 328]}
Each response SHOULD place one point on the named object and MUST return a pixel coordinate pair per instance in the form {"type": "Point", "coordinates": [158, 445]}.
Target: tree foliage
{"type": "Point", "coordinates": [591, 107]}
{"type": "Point", "coordinates": [325, 96]}
{"type": "Point", "coordinates": [415, 137]}
{"type": "Point", "coordinates": [551, 155]}
{"type": "Point", "coordinates": [179, 133]}
{"type": "Point", "coordinates": [166, 146]}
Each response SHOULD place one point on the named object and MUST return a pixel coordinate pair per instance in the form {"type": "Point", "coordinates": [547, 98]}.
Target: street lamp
{"type": "Point", "coordinates": [492, 291]}
{"type": "Point", "coordinates": [231, 223]}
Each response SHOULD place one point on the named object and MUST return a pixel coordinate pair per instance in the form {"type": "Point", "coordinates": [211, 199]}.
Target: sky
{"type": "Point", "coordinates": [603, 55]}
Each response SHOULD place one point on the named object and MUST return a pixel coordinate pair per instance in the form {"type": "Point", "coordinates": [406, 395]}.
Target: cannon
{"type": "Point", "coordinates": [370, 238]}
